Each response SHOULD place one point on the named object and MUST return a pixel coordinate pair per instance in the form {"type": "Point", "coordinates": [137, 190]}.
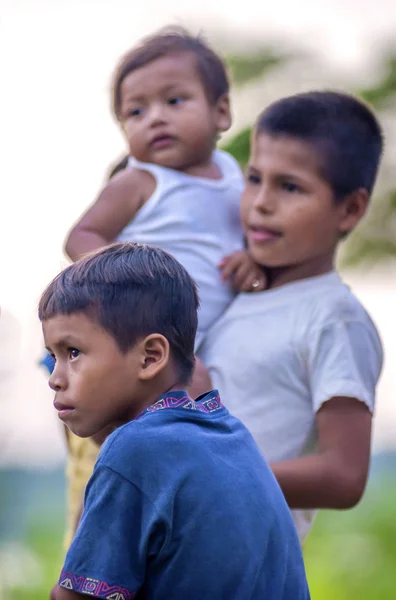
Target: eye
{"type": "Point", "coordinates": [254, 179]}
{"type": "Point", "coordinates": [135, 112]}
{"type": "Point", "coordinates": [290, 187]}
{"type": "Point", "coordinates": [175, 100]}
{"type": "Point", "coordinates": [73, 353]}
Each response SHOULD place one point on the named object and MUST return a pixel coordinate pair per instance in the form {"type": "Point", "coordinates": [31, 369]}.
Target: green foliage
{"type": "Point", "coordinates": [379, 95]}
{"type": "Point", "coordinates": [247, 68]}
{"type": "Point", "coordinates": [352, 554]}
{"type": "Point", "coordinates": [36, 565]}
{"type": "Point", "coordinates": [239, 146]}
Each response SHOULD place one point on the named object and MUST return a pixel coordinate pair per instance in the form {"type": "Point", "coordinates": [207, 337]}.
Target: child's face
{"type": "Point", "coordinates": [288, 209]}
{"type": "Point", "coordinates": [166, 115]}
{"type": "Point", "coordinates": [95, 384]}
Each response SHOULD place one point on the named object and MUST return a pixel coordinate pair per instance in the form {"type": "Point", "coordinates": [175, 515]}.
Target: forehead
{"type": "Point", "coordinates": [169, 70]}
{"type": "Point", "coordinates": [283, 153]}
{"type": "Point", "coordinates": [66, 328]}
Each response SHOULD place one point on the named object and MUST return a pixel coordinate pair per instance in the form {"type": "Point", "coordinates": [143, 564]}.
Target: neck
{"type": "Point", "coordinates": [157, 389]}
{"type": "Point", "coordinates": [281, 275]}
{"type": "Point", "coordinates": [205, 168]}
{"type": "Point", "coordinates": [210, 171]}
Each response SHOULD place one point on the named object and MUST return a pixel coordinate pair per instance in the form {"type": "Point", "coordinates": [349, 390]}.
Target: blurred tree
{"type": "Point", "coordinates": [375, 239]}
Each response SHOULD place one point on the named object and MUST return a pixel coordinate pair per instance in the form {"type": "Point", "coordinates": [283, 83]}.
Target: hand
{"type": "Point", "coordinates": [244, 273]}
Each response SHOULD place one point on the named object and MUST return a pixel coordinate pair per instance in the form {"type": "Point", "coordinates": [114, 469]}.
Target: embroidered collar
{"type": "Point", "coordinates": [207, 403]}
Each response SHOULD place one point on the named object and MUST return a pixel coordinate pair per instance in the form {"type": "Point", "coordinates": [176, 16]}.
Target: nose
{"type": "Point", "coordinates": [57, 380]}
{"type": "Point", "coordinates": [265, 200]}
{"type": "Point", "coordinates": [156, 114]}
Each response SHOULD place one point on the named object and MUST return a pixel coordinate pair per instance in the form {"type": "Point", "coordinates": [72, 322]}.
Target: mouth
{"type": "Point", "coordinates": [162, 141]}
{"type": "Point", "coordinates": [64, 410]}
{"type": "Point", "coordinates": [263, 234]}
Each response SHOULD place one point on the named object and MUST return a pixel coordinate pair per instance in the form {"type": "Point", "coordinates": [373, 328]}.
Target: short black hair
{"type": "Point", "coordinates": [131, 290]}
{"type": "Point", "coordinates": [343, 130]}
{"type": "Point", "coordinates": [174, 40]}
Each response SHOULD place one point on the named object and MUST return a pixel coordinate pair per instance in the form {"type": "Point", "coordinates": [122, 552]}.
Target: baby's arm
{"type": "Point", "coordinates": [115, 207]}
{"type": "Point", "coordinates": [334, 477]}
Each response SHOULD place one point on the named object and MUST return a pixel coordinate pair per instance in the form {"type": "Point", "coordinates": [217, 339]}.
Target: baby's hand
{"type": "Point", "coordinates": [244, 273]}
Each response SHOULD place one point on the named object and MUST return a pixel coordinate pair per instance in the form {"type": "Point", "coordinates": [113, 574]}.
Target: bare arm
{"type": "Point", "coordinates": [115, 207]}
{"type": "Point", "coordinates": [334, 477]}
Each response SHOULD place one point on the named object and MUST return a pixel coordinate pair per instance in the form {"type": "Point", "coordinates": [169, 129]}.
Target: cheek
{"type": "Point", "coordinates": [312, 227]}
{"type": "Point", "coordinates": [246, 203]}
{"type": "Point", "coordinates": [132, 132]}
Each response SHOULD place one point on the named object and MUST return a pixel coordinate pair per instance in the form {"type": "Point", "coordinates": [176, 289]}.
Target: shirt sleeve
{"type": "Point", "coordinates": [107, 558]}
{"type": "Point", "coordinates": [344, 360]}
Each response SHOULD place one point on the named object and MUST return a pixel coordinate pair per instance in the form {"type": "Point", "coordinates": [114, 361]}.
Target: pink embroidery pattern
{"type": "Point", "coordinates": [210, 403]}
{"type": "Point", "coordinates": [94, 587]}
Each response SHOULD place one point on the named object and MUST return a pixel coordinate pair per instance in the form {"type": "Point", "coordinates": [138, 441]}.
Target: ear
{"type": "Point", "coordinates": [154, 356]}
{"type": "Point", "coordinates": [353, 209]}
{"type": "Point", "coordinates": [223, 118]}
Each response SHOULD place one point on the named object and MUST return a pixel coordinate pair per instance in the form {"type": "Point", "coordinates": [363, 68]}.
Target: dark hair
{"type": "Point", "coordinates": [116, 168]}
{"type": "Point", "coordinates": [131, 290]}
{"type": "Point", "coordinates": [343, 130]}
{"type": "Point", "coordinates": [211, 68]}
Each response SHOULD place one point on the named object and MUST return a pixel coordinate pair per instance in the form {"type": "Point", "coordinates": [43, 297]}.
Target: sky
{"type": "Point", "coordinates": [58, 138]}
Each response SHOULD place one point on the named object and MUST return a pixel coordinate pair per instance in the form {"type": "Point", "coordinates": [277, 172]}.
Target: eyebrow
{"type": "Point", "coordinates": [65, 342]}
{"type": "Point", "coordinates": [251, 168]}
{"type": "Point", "coordinates": [281, 175]}
{"type": "Point", "coordinates": [169, 87]}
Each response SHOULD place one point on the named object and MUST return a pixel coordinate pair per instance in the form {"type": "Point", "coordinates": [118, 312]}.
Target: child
{"type": "Point", "coordinates": [178, 192]}
{"type": "Point", "coordinates": [171, 98]}
{"type": "Point", "coordinates": [181, 503]}
{"type": "Point", "coordinates": [299, 363]}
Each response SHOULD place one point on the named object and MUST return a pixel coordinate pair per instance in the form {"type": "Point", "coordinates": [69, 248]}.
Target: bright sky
{"type": "Point", "coordinates": [57, 137]}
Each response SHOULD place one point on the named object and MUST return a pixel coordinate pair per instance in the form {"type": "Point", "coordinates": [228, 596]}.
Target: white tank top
{"type": "Point", "coordinates": [196, 220]}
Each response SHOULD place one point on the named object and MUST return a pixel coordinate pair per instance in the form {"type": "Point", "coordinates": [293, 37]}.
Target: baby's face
{"type": "Point", "coordinates": [95, 383]}
{"type": "Point", "coordinates": [166, 115]}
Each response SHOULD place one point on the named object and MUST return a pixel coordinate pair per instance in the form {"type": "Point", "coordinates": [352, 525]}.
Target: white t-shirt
{"type": "Point", "coordinates": [197, 220]}
{"type": "Point", "coordinates": [278, 355]}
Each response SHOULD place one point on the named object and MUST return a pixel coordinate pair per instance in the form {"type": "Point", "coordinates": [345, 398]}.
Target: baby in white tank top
{"type": "Point", "coordinates": [171, 98]}
{"type": "Point", "coordinates": [178, 192]}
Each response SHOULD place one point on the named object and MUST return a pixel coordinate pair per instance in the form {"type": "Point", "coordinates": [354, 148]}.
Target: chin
{"type": "Point", "coordinates": [265, 261]}
{"type": "Point", "coordinates": [84, 431]}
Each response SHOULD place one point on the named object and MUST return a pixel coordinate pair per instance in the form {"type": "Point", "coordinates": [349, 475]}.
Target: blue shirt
{"type": "Point", "coordinates": [182, 505]}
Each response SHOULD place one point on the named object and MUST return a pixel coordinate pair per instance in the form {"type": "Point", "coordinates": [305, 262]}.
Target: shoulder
{"type": "Point", "coordinates": [339, 320]}
{"type": "Point", "coordinates": [144, 439]}
{"type": "Point", "coordinates": [338, 304]}
{"type": "Point", "coordinates": [127, 437]}
{"type": "Point", "coordinates": [129, 181]}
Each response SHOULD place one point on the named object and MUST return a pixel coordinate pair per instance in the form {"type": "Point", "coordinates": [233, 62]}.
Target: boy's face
{"type": "Point", "coordinates": [95, 384]}
{"type": "Point", "coordinates": [166, 115]}
{"type": "Point", "coordinates": [288, 209]}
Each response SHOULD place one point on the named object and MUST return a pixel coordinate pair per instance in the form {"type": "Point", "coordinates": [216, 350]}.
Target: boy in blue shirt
{"type": "Point", "coordinates": [181, 504]}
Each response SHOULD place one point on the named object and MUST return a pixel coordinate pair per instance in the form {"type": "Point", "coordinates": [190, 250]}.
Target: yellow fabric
{"type": "Point", "coordinates": [82, 455]}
